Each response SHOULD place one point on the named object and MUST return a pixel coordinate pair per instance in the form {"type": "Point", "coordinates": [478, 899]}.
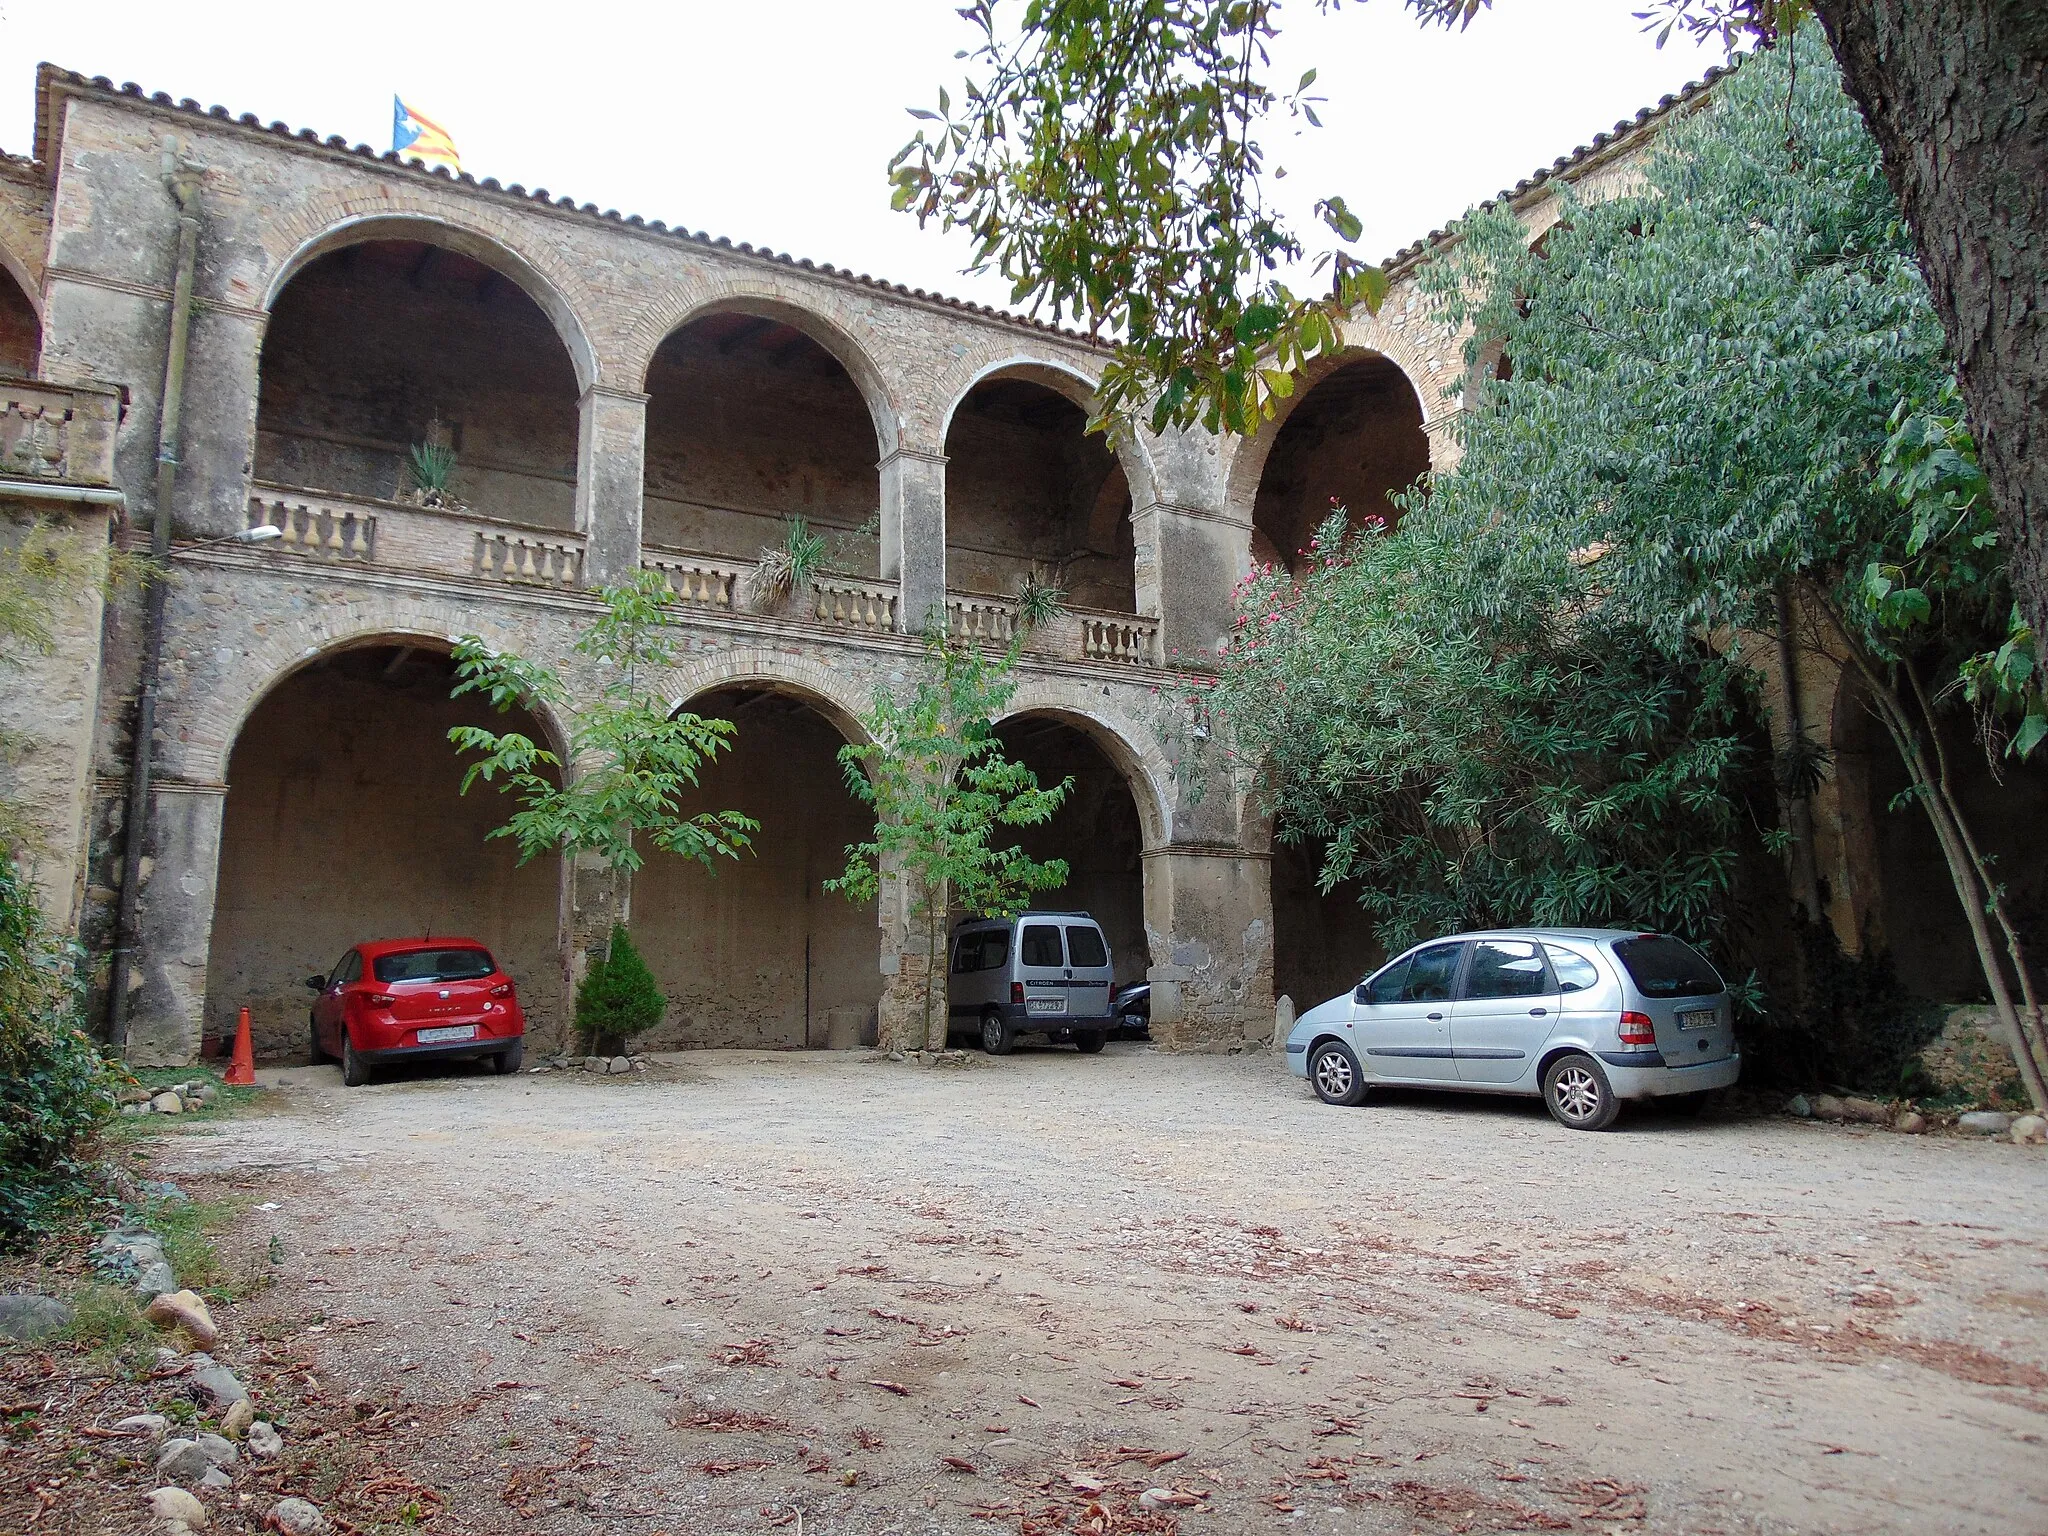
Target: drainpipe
{"type": "Point", "coordinates": [182, 179]}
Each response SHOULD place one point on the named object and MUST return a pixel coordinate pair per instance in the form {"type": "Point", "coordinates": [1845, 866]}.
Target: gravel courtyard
{"type": "Point", "coordinates": [755, 1291]}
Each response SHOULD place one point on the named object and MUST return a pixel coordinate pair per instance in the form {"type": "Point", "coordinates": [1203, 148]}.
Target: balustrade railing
{"type": "Point", "coordinates": [1119, 637]}
{"type": "Point", "coordinates": [58, 432]}
{"type": "Point", "coordinates": [854, 604]}
{"type": "Point", "coordinates": [698, 580]}
{"type": "Point", "coordinates": [324, 530]}
{"type": "Point", "coordinates": [989, 619]}
{"type": "Point", "coordinates": [528, 561]}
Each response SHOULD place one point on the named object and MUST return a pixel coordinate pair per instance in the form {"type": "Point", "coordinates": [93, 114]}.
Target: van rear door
{"type": "Point", "coordinates": [1042, 969]}
{"type": "Point", "coordinates": [1093, 977]}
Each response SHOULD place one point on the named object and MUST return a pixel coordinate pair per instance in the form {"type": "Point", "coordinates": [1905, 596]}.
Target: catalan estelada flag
{"type": "Point", "coordinates": [419, 138]}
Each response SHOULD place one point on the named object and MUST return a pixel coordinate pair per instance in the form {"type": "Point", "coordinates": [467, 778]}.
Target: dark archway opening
{"type": "Point", "coordinates": [750, 422]}
{"type": "Point", "coordinates": [1322, 944]}
{"type": "Point", "coordinates": [345, 821]}
{"type": "Point", "coordinates": [1028, 486]}
{"type": "Point", "coordinates": [380, 346]}
{"type": "Point", "coordinates": [21, 333]}
{"type": "Point", "coordinates": [760, 954]}
{"type": "Point", "coordinates": [1355, 438]}
{"type": "Point", "coordinates": [1097, 831]}
{"type": "Point", "coordinates": [1922, 920]}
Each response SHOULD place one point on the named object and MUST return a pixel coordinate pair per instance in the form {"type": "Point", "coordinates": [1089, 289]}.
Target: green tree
{"type": "Point", "coordinates": [631, 760]}
{"type": "Point", "coordinates": [1475, 739]}
{"type": "Point", "coordinates": [942, 791]}
{"type": "Point", "coordinates": [1728, 388]}
{"type": "Point", "coordinates": [1106, 157]}
{"type": "Point", "coordinates": [619, 997]}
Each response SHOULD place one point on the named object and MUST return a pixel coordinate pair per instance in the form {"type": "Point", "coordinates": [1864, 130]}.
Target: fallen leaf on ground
{"type": "Point", "coordinates": [896, 1387]}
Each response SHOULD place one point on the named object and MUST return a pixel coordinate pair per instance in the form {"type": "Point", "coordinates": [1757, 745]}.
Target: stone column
{"type": "Point", "coordinates": [1191, 547]}
{"type": "Point", "coordinates": [1209, 920]}
{"type": "Point", "coordinates": [611, 451]}
{"type": "Point", "coordinates": [174, 923]}
{"type": "Point", "coordinates": [914, 534]}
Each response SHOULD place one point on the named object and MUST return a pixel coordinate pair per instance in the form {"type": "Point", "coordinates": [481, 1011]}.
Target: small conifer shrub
{"type": "Point", "coordinates": [619, 997]}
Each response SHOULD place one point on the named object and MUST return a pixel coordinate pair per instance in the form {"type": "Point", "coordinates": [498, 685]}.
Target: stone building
{"type": "Point", "coordinates": [618, 395]}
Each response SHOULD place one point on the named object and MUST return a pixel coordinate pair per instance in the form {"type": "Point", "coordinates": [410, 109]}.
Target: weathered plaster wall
{"type": "Point", "coordinates": [759, 953]}
{"type": "Point", "coordinates": [48, 706]}
{"type": "Point", "coordinates": [372, 345]}
{"type": "Point", "coordinates": [749, 422]}
{"type": "Point", "coordinates": [344, 821]}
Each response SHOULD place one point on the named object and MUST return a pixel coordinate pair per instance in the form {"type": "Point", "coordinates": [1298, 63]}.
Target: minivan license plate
{"type": "Point", "coordinates": [446, 1032]}
{"type": "Point", "coordinates": [1699, 1018]}
{"type": "Point", "coordinates": [1046, 1005]}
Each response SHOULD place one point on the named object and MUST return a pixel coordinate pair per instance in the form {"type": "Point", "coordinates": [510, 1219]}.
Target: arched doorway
{"type": "Point", "coordinates": [750, 422]}
{"type": "Point", "coordinates": [1098, 832]}
{"type": "Point", "coordinates": [21, 333]}
{"type": "Point", "coordinates": [1322, 944]}
{"type": "Point", "coordinates": [383, 345]}
{"type": "Point", "coordinates": [1029, 487]}
{"type": "Point", "coordinates": [1354, 438]}
{"type": "Point", "coordinates": [345, 821]}
{"type": "Point", "coordinates": [758, 953]}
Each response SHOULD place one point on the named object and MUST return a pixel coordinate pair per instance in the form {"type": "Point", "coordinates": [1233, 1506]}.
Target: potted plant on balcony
{"type": "Point", "coordinates": [431, 466]}
{"type": "Point", "coordinates": [785, 569]}
{"type": "Point", "coordinates": [1042, 611]}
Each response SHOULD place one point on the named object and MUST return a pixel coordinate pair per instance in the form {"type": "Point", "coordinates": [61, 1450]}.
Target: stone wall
{"type": "Point", "coordinates": [21, 334]}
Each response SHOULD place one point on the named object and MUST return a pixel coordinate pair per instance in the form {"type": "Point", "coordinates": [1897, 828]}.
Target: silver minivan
{"type": "Point", "coordinates": [1043, 973]}
{"type": "Point", "coordinates": [1583, 1017]}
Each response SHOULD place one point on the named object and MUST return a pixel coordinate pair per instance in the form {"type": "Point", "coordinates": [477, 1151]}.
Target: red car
{"type": "Point", "coordinates": [415, 1000]}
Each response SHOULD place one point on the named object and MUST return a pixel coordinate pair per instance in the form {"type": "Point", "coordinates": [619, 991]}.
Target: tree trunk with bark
{"type": "Point", "coordinates": [1956, 94]}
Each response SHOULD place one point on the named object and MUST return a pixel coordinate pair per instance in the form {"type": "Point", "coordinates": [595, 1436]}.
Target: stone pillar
{"type": "Point", "coordinates": [1191, 546]}
{"type": "Point", "coordinates": [1209, 921]}
{"type": "Point", "coordinates": [594, 896]}
{"type": "Point", "coordinates": [611, 451]}
{"type": "Point", "coordinates": [174, 923]}
{"type": "Point", "coordinates": [914, 534]}
{"type": "Point", "coordinates": [899, 1016]}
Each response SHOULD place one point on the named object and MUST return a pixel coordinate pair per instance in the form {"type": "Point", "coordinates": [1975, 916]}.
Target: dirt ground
{"type": "Point", "coordinates": [753, 1291]}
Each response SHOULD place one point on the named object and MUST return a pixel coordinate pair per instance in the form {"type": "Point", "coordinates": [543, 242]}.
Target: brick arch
{"type": "Point", "coordinates": [790, 303]}
{"type": "Point", "coordinates": [331, 223]}
{"type": "Point", "coordinates": [24, 278]}
{"type": "Point", "coordinates": [1134, 753]}
{"type": "Point", "coordinates": [1246, 456]}
{"type": "Point", "coordinates": [210, 726]}
{"type": "Point", "coordinates": [1063, 378]}
{"type": "Point", "coordinates": [833, 694]}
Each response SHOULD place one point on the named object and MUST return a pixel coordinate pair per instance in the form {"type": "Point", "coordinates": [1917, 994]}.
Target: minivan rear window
{"type": "Point", "coordinates": [1085, 947]}
{"type": "Point", "coordinates": [435, 965]}
{"type": "Point", "coordinates": [1040, 945]}
{"type": "Point", "coordinates": [1663, 967]}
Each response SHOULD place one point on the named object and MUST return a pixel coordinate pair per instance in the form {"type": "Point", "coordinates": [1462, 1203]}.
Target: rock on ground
{"type": "Point", "coordinates": [221, 1386]}
{"type": "Point", "coordinates": [177, 1508]}
{"type": "Point", "coordinates": [264, 1441]}
{"type": "Point", "coordinates": [2029, 1130]}
{"type": "Point", "coordinates": [135, 1255]}
{"type": "Point", "coordinates": [29, 1318]}
{"type": "Point", "coordinates": [1984, 1122]}
{"type": "Point", "coordinates": [186, 1310]}
{"type": "Point", "coordinates": [295, 1517]}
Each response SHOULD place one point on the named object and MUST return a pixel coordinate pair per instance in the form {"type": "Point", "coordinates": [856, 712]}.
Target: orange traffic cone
{"type": "Point", "coordinates": [242, 1069]}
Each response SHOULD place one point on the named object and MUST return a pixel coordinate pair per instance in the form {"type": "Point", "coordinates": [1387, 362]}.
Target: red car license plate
{"type": "Point", "coordinates": [446, 1032]}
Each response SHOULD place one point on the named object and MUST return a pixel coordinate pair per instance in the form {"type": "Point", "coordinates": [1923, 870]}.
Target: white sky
{"type": "Point", "coordinates": [773, 121]}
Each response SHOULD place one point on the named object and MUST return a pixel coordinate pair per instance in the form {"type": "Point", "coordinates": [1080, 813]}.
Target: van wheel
{"type": "Point", "coordinates": [1335, 1073]}
{"type": "Point", "coordinates": [997, 1038]}
{"type": "Point", "coordinates": [1089, 1041]}
{"type": "Point", "coordinates": [354, 1072]}
{"type": "Point", "coordinates": [1578, 1093]}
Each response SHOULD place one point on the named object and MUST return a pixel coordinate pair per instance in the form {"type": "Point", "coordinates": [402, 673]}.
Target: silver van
{"type": "Point", "coordinates": [1582, 1017]}
{"type": "Point", "coordinates": [1041, 973]}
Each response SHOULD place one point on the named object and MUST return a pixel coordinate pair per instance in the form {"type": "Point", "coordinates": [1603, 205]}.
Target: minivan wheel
{"type": "Point", "coordinates": [1578, 1093]}
{"type": "Point", "coordinates": [354, 1072]}
{"type": "Point", "coordinates": [1089, 1041]}
{"type": "Point", "coordinates": [1334, 1071]}
{"type": "Point", "coordinates": [997, 1038]}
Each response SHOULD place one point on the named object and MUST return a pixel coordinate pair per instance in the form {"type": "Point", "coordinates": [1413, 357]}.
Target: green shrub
{"type": "Point", "coordinates": [56, 1092]}
{"type": "Point", "coordinates": [619, 996]}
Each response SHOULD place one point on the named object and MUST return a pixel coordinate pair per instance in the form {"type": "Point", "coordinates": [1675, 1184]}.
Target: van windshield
{"type": "Point", "coordinates": [436, 965]}
{"type": "Point", "coordinates": [1662, 967]}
